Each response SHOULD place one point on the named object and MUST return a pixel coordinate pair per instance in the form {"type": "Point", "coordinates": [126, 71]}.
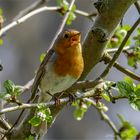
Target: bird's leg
{"type": "Point", "coordinates": [56, 99]}
{"type": "Point", "coordinates": [72, 97]}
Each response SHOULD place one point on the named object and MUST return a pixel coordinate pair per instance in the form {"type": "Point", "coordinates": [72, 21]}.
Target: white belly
{"type": "Point", "coordinates": [53, 84]}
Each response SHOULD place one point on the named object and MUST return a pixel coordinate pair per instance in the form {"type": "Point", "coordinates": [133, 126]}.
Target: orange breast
{"type": "Point", "coordinates": [70, 63]}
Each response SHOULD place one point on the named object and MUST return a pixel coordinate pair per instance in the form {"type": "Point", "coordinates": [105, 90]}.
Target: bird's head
{"type": "Point", "coordinates": [67, 40]}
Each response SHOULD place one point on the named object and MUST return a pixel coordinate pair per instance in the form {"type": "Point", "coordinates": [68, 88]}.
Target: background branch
{"type": "Point", "coordinates": [113, 50]}
{"type": "Point", "coordinates": [137, 4]}
{"type": "Point", "coordinates": [117, 54]}
{"type": "Point", "coordinates": [104, 117]}
{"type": "Point", "coordinates": [29, 9]}
{"type": "Point", "coordinates": [4, 124]}
{"type": "Point", "coordinates": [25, 15]}
{"type": "Point", "coordinates": [107, 58]}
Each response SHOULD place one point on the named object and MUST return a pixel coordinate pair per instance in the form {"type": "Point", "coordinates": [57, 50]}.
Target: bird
{"type": "Point", "coordinates": [63, 69]}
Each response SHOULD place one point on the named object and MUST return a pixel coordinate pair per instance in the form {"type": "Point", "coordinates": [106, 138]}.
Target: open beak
{"type": "Point", "coordinates": [75, 39]}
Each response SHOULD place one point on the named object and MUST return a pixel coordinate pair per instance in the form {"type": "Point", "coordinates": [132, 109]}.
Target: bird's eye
{"type": "Point", "coordinates": [66, 36]}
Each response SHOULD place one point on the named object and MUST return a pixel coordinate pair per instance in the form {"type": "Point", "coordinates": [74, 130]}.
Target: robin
{"type": "Point", "coordinates": [64, 67]}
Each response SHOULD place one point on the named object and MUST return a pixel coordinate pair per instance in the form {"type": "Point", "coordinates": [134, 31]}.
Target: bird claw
{"type": "Point", "coordinates": [72, 97]}
{"type": "Point", "coordinates": [57, 100]}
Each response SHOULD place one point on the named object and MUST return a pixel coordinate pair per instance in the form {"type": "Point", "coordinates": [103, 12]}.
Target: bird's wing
{"type": "Point", "coordinates": [53, 57]}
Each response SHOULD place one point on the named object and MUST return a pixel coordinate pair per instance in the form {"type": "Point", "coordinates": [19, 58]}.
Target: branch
{"type": "Point", "coordinates": [27, 86]}
{"type": "Point", "coordinates": [104, 117]}
{"type": "Point", "coordinates": [29, 9]}
{"type": "Point", "coordinates": [137, 5]}
{"type": "Point", "coordinates": [37, 11]}
{"type": "Point", "coordinates": [4, 124]}
{"type": "Point", "coordinates": [107, 58]}
{"type": "Point", "coordinates": [117, 54]}
{"type": "Point", "coordinates": [24, 18]}
{"type": "Point", "coordinates": [85, 14]}
{"type": "Point", "coordinates": [113, 50]}
{"type": "Point", "coordinates": [90, 93]}
{"type": "Point", "coordinates": [110, 14]}
{"type": "Point", "coordinates": [52, 103]}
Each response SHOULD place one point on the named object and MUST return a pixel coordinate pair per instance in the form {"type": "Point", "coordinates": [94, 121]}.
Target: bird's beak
{"type": "Point", "coordinates": [75, 39]}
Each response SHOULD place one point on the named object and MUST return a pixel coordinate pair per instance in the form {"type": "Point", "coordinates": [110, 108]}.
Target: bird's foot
{"type": "Point", "coordinates": [72, 97]}
{"type": "Point", "coordinates": [57, 100]}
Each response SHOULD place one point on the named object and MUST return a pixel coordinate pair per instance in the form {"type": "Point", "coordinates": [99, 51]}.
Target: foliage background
{"type": "Point", "coordinates": [20, 53]}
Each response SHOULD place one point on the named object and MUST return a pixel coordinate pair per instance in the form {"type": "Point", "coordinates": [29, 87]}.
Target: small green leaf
{"type": "Point", "coordinates": [1, 41]}
{"type": "Point", "coordinates": [30, 138]}
{"type": "Point", "coordinates": [17, 90]}
{"type": "Point", "coordinates": [128, 133]}
{"type": "Point", "coordinates": [44, 113]}
{"type": "Point", "coordinates": [78, 114]}
{"type": "Point", "coordinates": [71, 17]}
{"type": "Point", "coordinates": [121, 118]}
{"type": "Point", "coordinates": [137, 92]}
{"type": "Point", "coordinates": [129, 81]}
{"type": "Point", "coordinates": [106, 97]}
{"type": "Point", "coordinates": [42, 56]}
{"type": "Point", "coordinates": [81, 109]}
{"type": "Point", "coordinates": [131, 61]}
{"type": "Point", "coordinates": [135, 104]}
{"type": "Point", "coordinates": [1, 11]}
{"type": "Point", "coordinates": [35, 121]}
{"type": "Point", "coordinates": [127, 130]}
{"type": "Point", "coordinates": [125, 88]}
{"type": "Point", "coordinates": [2, 95]}
{"type": "Point", "coordinates": [126, 27]}
{"type": "Point", "coordinates": [9, 86]}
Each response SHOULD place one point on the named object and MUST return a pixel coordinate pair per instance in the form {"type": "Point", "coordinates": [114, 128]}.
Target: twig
{"type": "Point", "coordinates": [137, 5]}
{"type": "Point", "coordinates": [116, 55]}
{"type": "Point", "coordinates": [83, 85]}
{"type": "Point", "coordinates": [41, 69]}
{"type": "Point", "coordinates": [115, 49]}
{"type": "Point", "coordinates": [104, 117]}
{"type": "Point", "coordinates": [85, 14]}
{"type": "Point", "coordinates": [32, 7]}
{"type": "Point", "coordinates": [4, 124]}
{"type": "Point", "coordinates": [27, 86]}
{"type": "Point", "coordinates": [37, 11]}
{"type": "Point", "coordinates": [107, 58]}
{"type": "Point", "coordinates": [48, 104]}
{"type": "Point", "coordinates": [24, 18]}
{"type": "Point", "coordinates": [118, 97]}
